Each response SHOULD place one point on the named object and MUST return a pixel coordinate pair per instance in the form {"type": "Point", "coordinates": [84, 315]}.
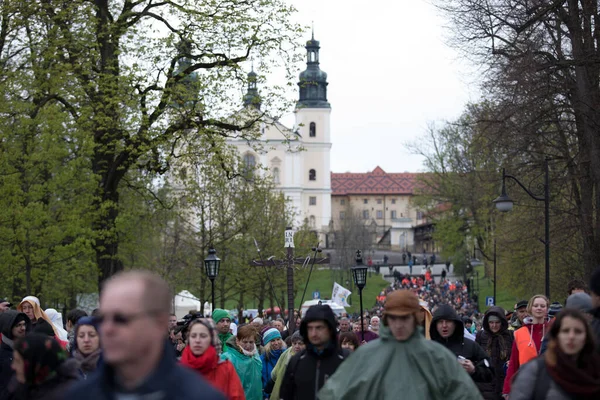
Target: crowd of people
{"type": "Point", "coordinates": [425, 341]}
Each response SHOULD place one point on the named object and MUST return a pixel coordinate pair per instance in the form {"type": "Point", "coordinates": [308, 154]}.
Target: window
{"type": "Point", "coordinates": [312, 131]}
{"type": "Point", "coordinates": [312, 175]}
{"type": "Point", "coordinates": [249, 165]}
{"type": "Point", "coordinates": [379, 214]}
{"type": "Point", "coordinates": [342, 214]}
{"type": "Point", "coordinates": [419, 214]}
{"type": "Point", "coordinates": [365, 201]}
{"type": "Point", "coordinates": [378, 201]}
{"type": "Point", "coordinates": [393, 201]}
{"type": "Point", "coordinates": [312, 201]}
{"type": "Point", "coordinates": [394, 215]}
{"type": "Point", "coordinates": [276, 175]}
{"type": "Point", "coordinates": [312, 221]}
{"type": "Point", "coordinates": [365, 214]}
{"type": "Point", "coordinates": [343, 202]}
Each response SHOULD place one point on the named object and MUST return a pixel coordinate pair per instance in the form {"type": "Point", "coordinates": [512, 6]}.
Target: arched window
{"type": "Point", "coordinates": [312, 222]}
{"type": "Point", "coordinates": [312, 175]}
{"type": "Point", "coordinates": [249, 165]}
{"type": "Point", "coordinates": [276, 175]}
{"type": "Point", "coordinates": [312, 130]}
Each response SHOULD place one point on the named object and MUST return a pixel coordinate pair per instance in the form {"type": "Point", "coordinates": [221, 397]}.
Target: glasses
{"type": "Point", "coordinates": [123, 319]}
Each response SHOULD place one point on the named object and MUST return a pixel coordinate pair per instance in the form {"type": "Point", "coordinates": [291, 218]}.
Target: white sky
{"type": "Point", "coordinates": [390, 73]}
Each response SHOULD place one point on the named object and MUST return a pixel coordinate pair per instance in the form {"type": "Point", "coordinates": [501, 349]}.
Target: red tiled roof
{"type": "Point", "coordinates": [376, 182]}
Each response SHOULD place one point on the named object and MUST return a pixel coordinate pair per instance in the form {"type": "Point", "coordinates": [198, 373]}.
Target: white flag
{"type": "Point", "coordinates": [340, 295]}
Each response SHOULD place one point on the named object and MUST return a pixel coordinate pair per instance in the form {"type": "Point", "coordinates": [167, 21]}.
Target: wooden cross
{"type": "Point", "coordinates": [289, 261]}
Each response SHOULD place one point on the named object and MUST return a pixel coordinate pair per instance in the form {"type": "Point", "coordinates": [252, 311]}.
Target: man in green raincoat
{"type": "Point", "coordinates": [401, 364]}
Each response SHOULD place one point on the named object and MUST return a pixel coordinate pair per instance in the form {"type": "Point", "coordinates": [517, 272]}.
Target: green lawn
{"type": "Point", "coordinates": [322, 281]}
{"type": "Point", "coordinates": [505, 299]}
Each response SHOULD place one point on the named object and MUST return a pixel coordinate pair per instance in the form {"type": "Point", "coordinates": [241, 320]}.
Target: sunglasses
{"type": "Point", "coordinates": [123, 319]}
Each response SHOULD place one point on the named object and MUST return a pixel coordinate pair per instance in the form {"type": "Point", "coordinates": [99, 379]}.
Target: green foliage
{"type": "Point", "coordinates": [97, 100]}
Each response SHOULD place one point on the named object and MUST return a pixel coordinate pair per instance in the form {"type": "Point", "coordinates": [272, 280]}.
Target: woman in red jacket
{"type": "Point", "coordinates": [201, 355]}
{"type": "Point", "coordinates": [528, 339]}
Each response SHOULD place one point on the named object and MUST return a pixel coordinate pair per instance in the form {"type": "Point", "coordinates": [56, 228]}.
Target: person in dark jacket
{"type": "Point", "coordinates": [595, 293]}
{"type": "Point", "coordinates": [138, 361]}
{"type": "Point", "coordinates": [13, 325]}
{"type": "Point", "coordinates": [307, 371]}
{"type": "Point", "coordinates": [496, 340]}
{"type": "Point", "coordinates": [42, 368]}
{"type": "Point", "coordinates": [447, 329]}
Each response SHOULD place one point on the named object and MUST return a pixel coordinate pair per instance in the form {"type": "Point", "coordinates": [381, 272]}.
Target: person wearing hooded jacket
{"type": "Point", "coordinates": [13, 325]}
{"type": "Point", "coordinates": [447, 329]}
{"type": "Point", "coordinates": [402, 364]}
{"type": "Point", "coordinates": [496, 339]}
{"type": "Point", "coordinates": [307, 371]}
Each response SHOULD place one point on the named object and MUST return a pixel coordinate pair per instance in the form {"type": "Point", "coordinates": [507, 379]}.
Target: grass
{"type": "Point", "coordinates": [322, 280]}
{"type": "Point", "coordinates": [505, 299]}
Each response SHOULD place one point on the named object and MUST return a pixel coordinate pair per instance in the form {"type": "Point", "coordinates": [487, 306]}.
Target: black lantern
{"type": "Point", "coordinates": [211, 266]}
{"type": "Point", "coordinates": [360, 279]}
{"type": "Point", "coordinates": [359, 272]}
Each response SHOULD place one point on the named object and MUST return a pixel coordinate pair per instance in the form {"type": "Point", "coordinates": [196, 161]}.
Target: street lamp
{"type": "Point", "coordinates": [505, 204]}
{"type": "Point", "coordinates": [211, 265]}
{"type": "Point", "coordinates": [360, 280]}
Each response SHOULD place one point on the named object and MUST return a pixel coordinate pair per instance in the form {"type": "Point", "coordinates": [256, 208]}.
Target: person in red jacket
{"type": "Point", "coordinates": [528, 339]}
{"type": "Point", "coordinates": [200, 354]}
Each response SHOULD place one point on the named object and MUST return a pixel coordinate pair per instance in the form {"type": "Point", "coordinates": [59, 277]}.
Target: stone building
{"type": "Point", "coordinates": [383, 201]}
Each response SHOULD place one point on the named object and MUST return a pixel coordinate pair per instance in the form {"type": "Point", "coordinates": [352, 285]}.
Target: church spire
{"type": "Point", "coordinates": [252, 98]}
{"type": "Point", "coordinates": [313, 81]}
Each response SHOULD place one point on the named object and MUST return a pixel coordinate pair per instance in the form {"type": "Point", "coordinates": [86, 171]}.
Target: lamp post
{"type": "Point", "coordinates": [360, 280]}
{"type": "Point", "coordinates": [211, 265]}
{"type": "Point", "coordinates": [505, 204]}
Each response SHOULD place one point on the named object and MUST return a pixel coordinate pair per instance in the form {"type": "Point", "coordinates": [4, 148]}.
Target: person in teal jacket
{"type": "Point", "coordinates": [242, 352]}
{"type": "Point", "coordinates": [402, 363]}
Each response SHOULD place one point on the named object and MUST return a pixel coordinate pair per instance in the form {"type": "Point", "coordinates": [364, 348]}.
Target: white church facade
{"type": "Point", "coordinates": [298, 158]}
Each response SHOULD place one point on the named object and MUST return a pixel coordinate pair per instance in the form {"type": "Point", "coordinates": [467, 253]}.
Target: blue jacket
{"type": "Point", "coordinates": [170, 381]}
{"type": "Point", "coordinates": [268, 364]}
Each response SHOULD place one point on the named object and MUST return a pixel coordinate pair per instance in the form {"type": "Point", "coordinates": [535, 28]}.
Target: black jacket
{"type": "Point", "coordinates": [461, 346]}
{"type": "Point", "coordinates": [596, 326]}
{"type": "Point", "coordinates": [308, 370]}
{"type": "Point", "coordinates": [169, 381]}
{"type": "Point", "coordinates": [7, 321]}
{"type": "Point", "coordinates": [55, 388]}
{"type": "Point", "coordinates": [498, 347]}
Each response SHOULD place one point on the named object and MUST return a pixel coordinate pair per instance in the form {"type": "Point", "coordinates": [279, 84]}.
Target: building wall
{"type": "Point", "coordinates": [393, 212]}
{"type": "Point", "coordinates": [291, 163]}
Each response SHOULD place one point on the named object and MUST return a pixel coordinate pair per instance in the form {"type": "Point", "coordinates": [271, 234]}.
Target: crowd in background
{"type": "Point", "coordinates": [132, 347]}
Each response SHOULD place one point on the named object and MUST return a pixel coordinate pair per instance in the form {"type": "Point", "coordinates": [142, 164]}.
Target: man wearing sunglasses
{"type": "Point", "coordinates": [138, 361]}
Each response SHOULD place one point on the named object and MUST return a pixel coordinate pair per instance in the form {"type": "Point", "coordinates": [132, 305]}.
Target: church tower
{"type": "Point", "coordinates": [313, 113]}
{"type": "Point", "coordinates": [252, 98]}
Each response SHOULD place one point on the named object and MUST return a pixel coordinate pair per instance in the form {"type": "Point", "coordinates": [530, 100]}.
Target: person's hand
{"type": "Point", "coordinates": [468, 366]}
{"type": "Point", "coordinates": [505, 396]}
{"type": "Point", "coordinates": [363, 342]}
{"type": "Point", "coordinates": [180, 346]}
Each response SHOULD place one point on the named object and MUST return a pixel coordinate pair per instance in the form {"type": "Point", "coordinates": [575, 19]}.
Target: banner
{"type": "Point", "coordinates": [340, 295]}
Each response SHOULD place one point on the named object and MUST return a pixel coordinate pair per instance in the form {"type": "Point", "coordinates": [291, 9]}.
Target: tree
{"type": "Point", "coordinates": [542, 77]}
{"type": "Point", "coordinates": [351, 235]}
{"type": "Point", "coordinates": [140, 76]}
{"type": "Point", "coordinates": [46, 184]}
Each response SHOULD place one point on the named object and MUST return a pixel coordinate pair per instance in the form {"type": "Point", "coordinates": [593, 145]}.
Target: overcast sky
{"type": "Point", "coordinates": [390, 73]}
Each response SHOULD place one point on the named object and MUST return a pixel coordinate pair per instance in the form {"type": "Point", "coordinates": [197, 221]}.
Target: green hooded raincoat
{"type": "Point", "coordinates": [416, 369]}
{"type": "Point", "coordinates": [249, 369]}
